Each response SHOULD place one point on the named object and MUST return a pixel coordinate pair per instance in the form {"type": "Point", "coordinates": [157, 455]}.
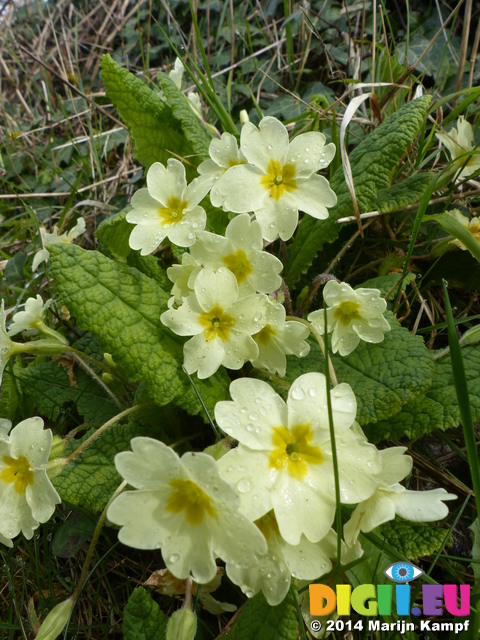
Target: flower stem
{"type": "Point", "coordinates": [321, 344]}
{"type": "Point", "coordinates": [103, 428]}
{"type": "Point", "coordinates": [93, 543]}
{"type": "Point", "coordinates": [51, 333]}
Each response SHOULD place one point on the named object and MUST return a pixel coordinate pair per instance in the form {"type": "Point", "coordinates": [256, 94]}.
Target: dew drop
{"type": "Point", "coordinates": [244, 485]}
{"type": "Point", "coordinates": [298, 393]}
{"type": "Point", "coordinates": [174, 558]}
{"type": "Point", "coordinates": [312, 392]}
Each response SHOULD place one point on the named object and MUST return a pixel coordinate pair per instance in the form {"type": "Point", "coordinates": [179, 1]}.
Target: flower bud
{"type": "Point", "coordinates": [471, 336]}
{"type": "Point", "coordinates": [56, 620]}
{"type": "Point", "coordinates": [182, 625]}
{"type": "Point", "coordinates": [244, 116]}
{"type": "Point", "coordinates": [58, 447]}
{"type": "Point", "coordinates": [219, 449]}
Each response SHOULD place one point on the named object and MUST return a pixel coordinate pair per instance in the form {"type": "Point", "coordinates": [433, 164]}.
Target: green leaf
{"type": "Point", "coordinates": [475, 529]}
{"type": "Point", "coordinates": [259, 621]}
{"type": "Point", "coordinates": [9, 397]}
{"type": "Point", "coordinates": [142, 617]}
{"type": "Point", "coordinates": [409, 191]}
{"type": "Point", "coordinates": [383, 376]}
{"type": "Point", "coordinates": [48, 387]}
{"type": "Point", "coordinates": [373, 162]}
{"type": "Point", "coordinates": [385, 284]}
{"type": "Point", "coordinates": [194, 131]}
{"type": "Point", "coordinates": [71, 536]}
{"type": "Point", "coordinates": [90, 479]}
{"type": "Point", "coordinates": [438, 407]}
{"type": "Point", "coordinates": [121, 307]}
{"type": "Point", "coordinates": [455, 228]}
{"type": "Point", "coordinates": [413, 539]}
{"type": "Point", "coordinates": [13, 272]}
{"type": "Point", "coordinates": [115, 232]}
{"type": "Point", "coordinates": [157, 135]}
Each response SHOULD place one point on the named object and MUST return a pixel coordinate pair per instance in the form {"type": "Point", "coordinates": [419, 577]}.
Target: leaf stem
{"type": "Point", "coordinates": [321, 344]}
{"type": "Point", "coordinates": [103, 428]}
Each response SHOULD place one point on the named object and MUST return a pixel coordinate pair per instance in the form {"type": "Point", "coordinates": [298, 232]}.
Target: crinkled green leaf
{"type": "Point", "coordinates": [142, 617]}
{"type": "Point", "coordinates": [259, 621]}
{"type": "Point", "coordinates": [193, 129]}
{"type": "Point", "coordinates": [383, 376]}
{"type": "Point", "coordinates": [156, 133]}
{"type": "Point", "coordinates": [48, 387]}
{"type": "Point", "coordinates": [385, 284]}
{"type": "Point", "coordinates": [373, 162]}
{"type": "Point", "coordinates": [438, 407]}
{"type": "Point", "coordinates": [413, 539]}
{"type": "Point", "coordinates": [121, 307]}
{"type": "Point", "coordinates": [9, 397]}
{"type": "Point", "coordinates": [115, 233]}
{"type": "Point", "coordinates": [409, 191]}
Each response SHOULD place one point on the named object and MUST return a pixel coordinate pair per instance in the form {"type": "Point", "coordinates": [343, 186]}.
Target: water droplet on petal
{"type": "Point", "coordinates": [174, 558]}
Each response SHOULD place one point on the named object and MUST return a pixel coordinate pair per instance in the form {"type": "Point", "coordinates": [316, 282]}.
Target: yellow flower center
{"type": "Point", "coordinates": [189, 497]}
{"type": "Point", "coordinates": [239, 265]}
{"type": "Point", "coordinates": [268, 525]}
{"type": "Point", "coordinates": [264, 336]}
{"type": "Point", "coordinates": [279, 179]}
{"type": "Point", "coordinates": [293, 450]}
{"type": "Point", "coordinates": [173, 212]}
{"type": "Point", "coordinates": [17, 471]}
{"type": "Point", "coordinates": [217, 323]}
{"type": "Point", "coordinates": [346, 312]}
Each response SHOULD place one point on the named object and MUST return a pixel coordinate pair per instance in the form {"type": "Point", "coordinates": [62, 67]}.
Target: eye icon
{"type": "Point", "coordinates": [402, 572]}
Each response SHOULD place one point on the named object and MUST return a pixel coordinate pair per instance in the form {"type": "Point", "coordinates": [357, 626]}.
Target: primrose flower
{"type": "Point", "coordinates": [279, 338]}
{"type": "Point", "coordinates": [183, 277]}
{"type": "Point", "coordinates": [391, 498]}
{"type": "Point", "coordinates": [241, 251]}
{"type": "Point", "coordinates": [272, 574]}
{"type": "Point", "coordinates": [279, 179]}
{"type": "Point", "coordinates": [55, 238]}
{"type": "Point", "coordinates": [224, 154]}
{"type": "Point", "coordinates": [352, 315]}
{"type": "Point", "coordinates": [459, 141]}
{"type": "Point", "coordinates": [183, 507]}
{"type": "Point", "coordinates": [27, 497]}
{"type": "Point", "coordinates": [167, 208]}
{"type": "Point", "coordinates": [284, 459]}
{"type": "Point", "coordinates": [31, 318]}
{"type": "Point", "coordinates": [472, 225]}
{"type": "Point", "coordinates": [221, 323]}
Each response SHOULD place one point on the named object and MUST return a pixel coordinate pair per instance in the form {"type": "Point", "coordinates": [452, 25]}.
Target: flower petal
{"type": "Point", "coordinates": [31, 440]}
{"type": "Point", "coordinates": [268, 142]}
{"type": "Point", "coordinates": [247, 470]}
{"type": "Point", "coordinates": [147, 237]}
{"type": "Point", "coordinates": [203, 356]}
{"type": "Point", "coordinates": [422, 506]}
{"type": "Point", "coordinates": [165, 183]}
{"type": "Point", "coordinates": [240, 189]}
{"type": "Point", "coordinates": [216, 288]}
{"type": "Point", "coordinates": [41, 496]}
{"type": "Point", "coordinates": [309, 153]}
{"type": "Point", "coordinates": [191, 554]}
{"type": "Point", "coordinates": [149, 465]}
{"type": "Point", "coordinates": [278, 217]}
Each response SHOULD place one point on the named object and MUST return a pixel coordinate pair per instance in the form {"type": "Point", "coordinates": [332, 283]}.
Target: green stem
{"type": "Point", "coordinates": [461, 390]}
{"type": "Point", "coordinates": [321, 344]}
{"type": "Point", "coordinates": [338, 511]}
{"type": "Point", "coordinates": [104, 427]}
{"type": "Point", "coordinates": [38, 347]}
{"type": "Point", "coordinates": [93, 543]}
{"type": "Point", "coordinates": [51, 333]}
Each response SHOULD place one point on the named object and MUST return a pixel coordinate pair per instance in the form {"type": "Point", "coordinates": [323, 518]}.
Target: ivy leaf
{"type": "Point", "coordinates": [157, 135]}
{"type": "Point", "coordinates": [142, 617]}
{"type": "Point", "coordinates": [383, 376]}
{"type": "Point", "coordinates": [121, 307]}
{"type": "Point", "coordinates": [373, 162]}
{"type": "Point", "coordinates": [259, 621]}
{"type": "Point", "coordinates": [194, 131]}
{"type": "Point", "coordinates": [413, 539]}
{"type": "Point", "coordinates": [438, 407]}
